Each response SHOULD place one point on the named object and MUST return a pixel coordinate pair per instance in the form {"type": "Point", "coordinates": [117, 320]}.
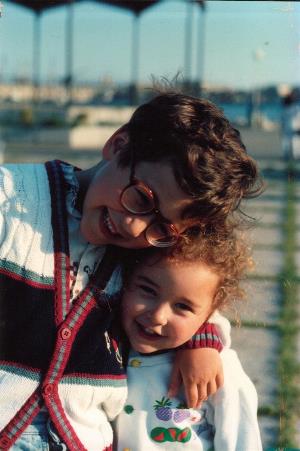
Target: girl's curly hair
{"type": "Point", "coordinates": [228, 255]}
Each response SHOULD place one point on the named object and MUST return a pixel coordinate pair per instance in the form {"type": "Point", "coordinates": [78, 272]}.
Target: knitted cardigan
{"type": "Point", "coordinates": [53, 353]}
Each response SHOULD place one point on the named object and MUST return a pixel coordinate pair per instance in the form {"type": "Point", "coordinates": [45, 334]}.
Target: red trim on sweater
{"type": "Point", "coordinates": [62, 423]}
{"type": "Point", "coordinates": [10, 363]}
{"type": "Point", "coordinates": [95, 376]}
{"type": "Point", "coordinates": [29, 282]}
{"type": "Point", "coordinates": [14, 429]}
{"type": "Point", "coordinates": [62, 279]}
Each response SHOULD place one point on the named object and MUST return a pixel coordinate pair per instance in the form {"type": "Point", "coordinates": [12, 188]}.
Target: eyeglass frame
{"type": "Point", "coordinates": [161, 220]}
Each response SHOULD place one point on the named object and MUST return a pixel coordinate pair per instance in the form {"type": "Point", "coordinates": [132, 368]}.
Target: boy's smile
{"type": "Point", "coordinates": [166, 302]}
{"type": "Point", "coordinates": [106, 221]}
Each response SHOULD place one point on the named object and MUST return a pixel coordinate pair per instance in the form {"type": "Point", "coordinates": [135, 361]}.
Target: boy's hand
{"type": "Point", "coordinates": [201, 372]}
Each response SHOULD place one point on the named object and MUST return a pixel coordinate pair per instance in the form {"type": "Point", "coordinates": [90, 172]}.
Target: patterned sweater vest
{"type": "Point", "coordinates": [65, 357]}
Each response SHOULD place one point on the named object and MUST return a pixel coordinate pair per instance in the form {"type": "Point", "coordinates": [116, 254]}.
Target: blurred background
{"type": "Point", "coordinates": [72, 72]}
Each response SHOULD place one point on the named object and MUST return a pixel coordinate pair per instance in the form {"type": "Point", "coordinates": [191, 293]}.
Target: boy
{"type": "Point", "coordinates": [178, 168]}
{"type": "Point", "coordinates": [166, 297]}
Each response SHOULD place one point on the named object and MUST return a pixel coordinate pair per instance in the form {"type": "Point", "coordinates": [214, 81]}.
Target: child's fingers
{"type": "Point", "coordinates": [192, 395]}
{"type": "Point", "coordinates": [175, 382]}
{"type": "Point", "coordinates": [202, 393]}
{"type": "Point", "coordinates": [211, 388]}
{"type": "Point", "coordinates": [220, 379]}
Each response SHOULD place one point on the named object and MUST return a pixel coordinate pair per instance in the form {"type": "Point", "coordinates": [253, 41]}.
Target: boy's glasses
{"type": "Point", "coordinates": [138, 199]}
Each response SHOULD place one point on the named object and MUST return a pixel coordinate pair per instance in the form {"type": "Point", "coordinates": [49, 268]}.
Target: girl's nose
{"type": "Point", "coordinates": [158, 316]}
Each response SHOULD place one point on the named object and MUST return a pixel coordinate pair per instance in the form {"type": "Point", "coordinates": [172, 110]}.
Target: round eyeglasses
{"type": "Point", "coordinates": [138, 199]}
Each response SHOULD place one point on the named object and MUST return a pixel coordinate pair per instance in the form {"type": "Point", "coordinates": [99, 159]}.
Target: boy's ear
{"type": "Point", "coordinates": [115, 143]}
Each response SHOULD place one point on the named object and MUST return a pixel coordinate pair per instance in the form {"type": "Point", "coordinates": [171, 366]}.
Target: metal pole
{"type": "Point", "coordinates": [135, 60]}
{"type": "Point", "coordinates": [188, 43]}
{"type": "Point", "coordinates": [36, 62]}
{"type": "Point", "coordinates": [69, 51]}
{"type": "Point", "coordinates": [201, 49]}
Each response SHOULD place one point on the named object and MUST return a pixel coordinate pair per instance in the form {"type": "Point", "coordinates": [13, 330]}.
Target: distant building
{"type": "Point", "coordinates": [25, 92]}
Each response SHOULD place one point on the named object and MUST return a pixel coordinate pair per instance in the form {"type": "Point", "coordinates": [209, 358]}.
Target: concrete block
{"type": "Point", "coordinates": [262, 304]}
{"type": "Point", "coordinates": [269, 217]}
{"type": "Point", "coordinates": [258, 204]}
{"type": "Point", "coordinates": [89, 136]}
{"type": "Point", "coordinates": [265, 236]}
{"type": "Point", "coordinates": [257, 349]}
{"type": "Point", "coordinates": [267, 262]}
{"type": "Point", "coordinates": [274, 189]}
{"type": "Point", "coordinates": [107, 114]}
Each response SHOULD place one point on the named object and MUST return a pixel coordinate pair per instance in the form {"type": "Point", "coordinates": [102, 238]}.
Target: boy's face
{"type": "Point", "coordinates": [166, 303]}
{"type": "Point", "coordinates": [105, 221]}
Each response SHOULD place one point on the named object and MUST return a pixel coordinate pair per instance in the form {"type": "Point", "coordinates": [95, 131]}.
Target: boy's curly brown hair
{"type": "Point", "coordinates": [228, 255]}
{"type": "Point", "coordinates": [205, 151]}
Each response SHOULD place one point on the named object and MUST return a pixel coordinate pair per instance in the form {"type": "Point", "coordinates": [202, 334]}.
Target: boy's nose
{"type": "Point", "coordinates": [135, 225]}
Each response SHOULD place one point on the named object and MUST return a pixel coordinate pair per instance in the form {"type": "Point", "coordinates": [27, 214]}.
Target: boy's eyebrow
{"type": "Point", "coordinates": [181, 213]}
{"type": "Point", "coordinates": [157, 204]}
{"type": "Point", "coordinates": [147, 280]}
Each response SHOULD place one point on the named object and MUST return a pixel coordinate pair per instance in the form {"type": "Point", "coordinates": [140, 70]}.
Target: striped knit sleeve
{"type": "Point", "coordinates": [205, 337]}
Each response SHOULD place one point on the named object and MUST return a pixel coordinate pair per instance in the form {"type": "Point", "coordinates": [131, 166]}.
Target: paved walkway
{"type": "Point", "coordinates": [269, 353]}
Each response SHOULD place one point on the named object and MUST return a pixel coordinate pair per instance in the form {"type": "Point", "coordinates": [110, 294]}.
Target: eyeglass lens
{"type": "Point", "coordinates": [137, 199]}
{"type": "Point", "coordinates": [161, 234]}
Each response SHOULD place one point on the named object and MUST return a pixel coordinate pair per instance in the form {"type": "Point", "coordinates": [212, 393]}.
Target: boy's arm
{"type": "Point", "coordinates": [198, 364]}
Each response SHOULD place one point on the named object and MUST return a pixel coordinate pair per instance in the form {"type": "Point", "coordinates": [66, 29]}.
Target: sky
{"type": "Point", "coordinates": [240, 44]}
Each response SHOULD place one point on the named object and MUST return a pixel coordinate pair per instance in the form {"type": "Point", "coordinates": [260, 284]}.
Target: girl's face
{"type": "Point", "coordinates": [166, 302]}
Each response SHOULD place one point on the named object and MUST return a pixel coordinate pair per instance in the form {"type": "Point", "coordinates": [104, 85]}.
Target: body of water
{"type": "Point", "coordinates": [239, 113]}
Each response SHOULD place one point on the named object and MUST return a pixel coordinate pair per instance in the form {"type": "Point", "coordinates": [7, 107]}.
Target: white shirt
{"type": "Point", "coordinates": [150, 421]}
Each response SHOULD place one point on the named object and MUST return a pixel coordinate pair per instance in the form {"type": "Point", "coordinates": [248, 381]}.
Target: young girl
{"type": "Point", "coordinates": [166, 299]}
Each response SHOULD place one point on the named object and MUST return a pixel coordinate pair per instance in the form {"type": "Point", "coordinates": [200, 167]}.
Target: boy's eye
{"type": "Point", "coordinates": [141, 200]}
{"type": "Point", "coordinates": [181, 306]}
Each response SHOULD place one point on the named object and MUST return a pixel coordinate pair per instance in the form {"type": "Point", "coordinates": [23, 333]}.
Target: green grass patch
{"type": "Point", "coordinates": [270, 411]}
{"type": "Point", "coordinates": [288, 369]}
{"type": "Point", "coordinates": [262, 278]}
{"type": "Point", "coordinates": [254, 324]}
{"type": "Point", "coordinates": [269, 247]}
{"type": "Point", "coordinates": [269, 225]}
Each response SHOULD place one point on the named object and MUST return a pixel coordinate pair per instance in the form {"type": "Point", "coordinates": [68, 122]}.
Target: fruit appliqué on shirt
{"type": "Point", "coordinates": [163, 409]}
{"type": "Point", "coordinates": [164, 412]}
{"type": "Point", "coordinates": [161, 435]}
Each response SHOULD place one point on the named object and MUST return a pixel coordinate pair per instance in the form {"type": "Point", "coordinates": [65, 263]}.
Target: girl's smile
{"type": "Point", "coordinates": [166, 301]}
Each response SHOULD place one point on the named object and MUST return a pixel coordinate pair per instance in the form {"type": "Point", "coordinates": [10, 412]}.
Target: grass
{"type": "Point", "coordinates": [287, 408]}
{"type": "Point", "coordinates": [288, 369]}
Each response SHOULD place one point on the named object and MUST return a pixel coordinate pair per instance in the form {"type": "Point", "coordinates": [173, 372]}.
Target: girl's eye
{"type": "Point", "coordinates": [147, 290]}
{"type": "Point", "coordinates": [182, 306]}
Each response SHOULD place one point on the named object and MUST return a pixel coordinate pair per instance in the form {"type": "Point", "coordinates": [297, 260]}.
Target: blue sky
{"type": "Point", "coordinates": [246, 43]}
